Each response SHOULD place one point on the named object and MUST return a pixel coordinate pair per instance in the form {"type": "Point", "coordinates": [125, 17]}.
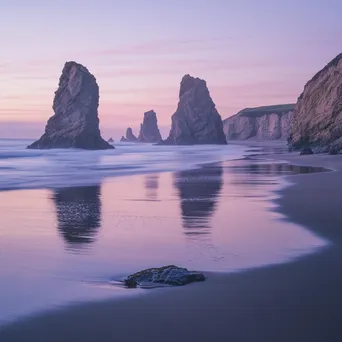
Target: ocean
{"type": "Point", "coordinates": [75, 222]}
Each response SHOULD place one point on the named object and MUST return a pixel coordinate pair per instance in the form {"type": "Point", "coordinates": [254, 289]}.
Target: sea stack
{"type": "Point", "coordinates": [149, 131]}
{"type": "Point", "coordinates": [130, 137]}
{"type": "Point", "coordinates": [75, 123]}
{"type": "Point", "coordinates": [317, 118]}
{"type": "Point", "coordinates": [196, 120]}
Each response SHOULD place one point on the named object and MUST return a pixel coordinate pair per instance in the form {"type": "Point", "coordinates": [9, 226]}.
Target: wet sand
{"type": "Point", "coordinates": [296, 301]}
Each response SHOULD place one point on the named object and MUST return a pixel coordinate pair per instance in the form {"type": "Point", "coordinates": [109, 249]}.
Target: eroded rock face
{"type": "Point", "coordinates": [75, 123]}
{"type": "Point", "coordinates": [261, 123]}
{"type": "Point", "coordinates": [317, 119]}
{"type": "Point", "coordinates": [149, 131]}
{"type": "Point", "coordinates": [167, 275]}
{"type": "Point", "coordinates": [196, 120]}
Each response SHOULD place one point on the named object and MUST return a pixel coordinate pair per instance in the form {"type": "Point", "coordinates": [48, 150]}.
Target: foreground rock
{"type": "Point", "coordinates": [196, 120]}
{"type": "Point", "coordinates": [130, 137]}
{"type": "Point", "coordinates": [75, 123]}
{"type": "Point", "coordinates": [167, 275]}
{"type": "Point", "coordinates": [317, 119]}
{"type": "Point", "coordinates": [261, 123]}
{"type": "Point", "coordinates": [149, 131]}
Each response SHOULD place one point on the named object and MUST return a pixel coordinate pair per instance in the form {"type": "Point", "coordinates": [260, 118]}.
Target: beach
{"type": "Point", "coordinates": [299, 300]}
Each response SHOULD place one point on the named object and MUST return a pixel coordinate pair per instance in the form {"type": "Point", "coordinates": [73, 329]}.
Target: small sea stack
{"type": "Point", "coordinates": [149, 131]}
{"type": "Point", "coordinates": [130, 137]}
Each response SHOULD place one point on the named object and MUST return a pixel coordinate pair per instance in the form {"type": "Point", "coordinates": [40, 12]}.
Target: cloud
{"type": "Point", "coordinates": [162, 47]}
{"type": "Point", "coordinates": [10, 97]}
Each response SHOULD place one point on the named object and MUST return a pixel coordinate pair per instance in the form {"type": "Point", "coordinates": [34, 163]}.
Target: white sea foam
{"type": "Point", "coordinates": [21, 168]}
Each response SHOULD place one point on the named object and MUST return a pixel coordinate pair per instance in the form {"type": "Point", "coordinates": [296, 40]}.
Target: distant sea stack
{"type": "Point", "coordinates": [317, 119]}
{"type": "Point", "coordinates": [196, 120]}
{"type": "Point", "coordinates": [260, 123]}
{"type": "Point", "coordinates": [75, 123]}
{"type": "Point", "coordinates": [130, 137]}
{"type": "Point", "coordinates": [149, 131]}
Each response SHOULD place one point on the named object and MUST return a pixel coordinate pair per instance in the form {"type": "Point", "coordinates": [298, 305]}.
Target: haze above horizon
{"type": "Point", "coordinates": [251, 53]}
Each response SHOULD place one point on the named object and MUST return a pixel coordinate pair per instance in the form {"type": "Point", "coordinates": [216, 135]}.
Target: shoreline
{"type": "Point", "coordinates": [266, 300]}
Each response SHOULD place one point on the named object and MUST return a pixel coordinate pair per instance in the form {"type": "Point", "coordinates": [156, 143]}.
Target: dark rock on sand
{"type": "Point", "coordinates": [317, 118]}
{"type": "Point", "coordinates": [75, 123]}
{"type": "Point", "coordinates": [167, 275]}
{"type": "Point", "coordinates": [196, 120]}
{"type": "Point", "coordinates": [149, 131]}
{"type": "Point", "coordinates": [306, 151]}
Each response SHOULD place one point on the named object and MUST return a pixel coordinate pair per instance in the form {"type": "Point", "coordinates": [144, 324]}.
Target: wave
{"type": "Point", "coordinates": [23, 169]}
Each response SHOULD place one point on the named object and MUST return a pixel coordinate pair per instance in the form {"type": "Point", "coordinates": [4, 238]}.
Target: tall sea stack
{"type": "Point", "coordinates": [317, 118]}
{"type": "Point", "coordinates": [75, 123]}
{"type": "Point", "coordinates": [196, 120]}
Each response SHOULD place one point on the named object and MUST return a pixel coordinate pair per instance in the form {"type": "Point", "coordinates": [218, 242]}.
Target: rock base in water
{"type": "Point", "coordinates": [168, 275]}
{"type": "Point", "coordinates": [306, 151]}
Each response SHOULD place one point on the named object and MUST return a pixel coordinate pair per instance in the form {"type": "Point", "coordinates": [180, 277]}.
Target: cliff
{"type": "Point", "coordinates": [317, 119]}
{"type": "Point", "coordinates": [260, 123]}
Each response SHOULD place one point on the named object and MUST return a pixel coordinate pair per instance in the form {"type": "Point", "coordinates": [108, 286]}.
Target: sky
{"type": "Point", "coordinates": [250, 52]}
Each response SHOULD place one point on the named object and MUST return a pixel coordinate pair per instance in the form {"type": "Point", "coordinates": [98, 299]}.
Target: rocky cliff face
{"type": "Point", "coordinates": [317, 119]}
{"type": "Point", "coordinates": [196, 120]}
{"type": "Point", "coordinates": [130, 137]}
{"type": "Point", "coordinates": [261, 123]}
{"type": "Point", "coordinates": [75, 122]}
{"type": "Point", "coordinates": [149, 131]}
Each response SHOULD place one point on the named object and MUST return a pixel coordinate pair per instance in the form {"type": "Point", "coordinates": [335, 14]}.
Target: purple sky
{"type": "Point", "coordinates": [250, 52]}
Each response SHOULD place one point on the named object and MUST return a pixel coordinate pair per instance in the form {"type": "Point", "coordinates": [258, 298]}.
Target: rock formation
{"type": "Point", "coordinates": [110, 140]}
{"type": "Point", "coordinates": [75, 123]}
{"type": "Point", "coordinates": [317, 119]}
{"type": "Point", "coordinates": [306, 151]}
{"type": "Point", "coordinates": [130, 137]}
{"type": "Point", "coordinates": [167, 275]}
{"type": "Point", "coordinates": [196, 120]}
{"type": "Point", "coordinates": [261, 123]}
{"type": "Point", "coordinates": [149, 131]}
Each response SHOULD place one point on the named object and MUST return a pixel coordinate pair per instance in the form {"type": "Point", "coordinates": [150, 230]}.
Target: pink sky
{"type": "Point", "coordinates": [139, 58]}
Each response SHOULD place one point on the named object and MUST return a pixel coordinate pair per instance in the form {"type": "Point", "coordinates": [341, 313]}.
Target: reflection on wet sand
{"type": "Point", "coordinates": [151, 186]}
{"type": "Point", "coordinates": [275, 169]}
{"type": "Point", "coordinates": [198, 191]}
{"type": "Point", "coordinates": [78, 214]}
{"type": "Point", "coordinates": [257, 174]}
